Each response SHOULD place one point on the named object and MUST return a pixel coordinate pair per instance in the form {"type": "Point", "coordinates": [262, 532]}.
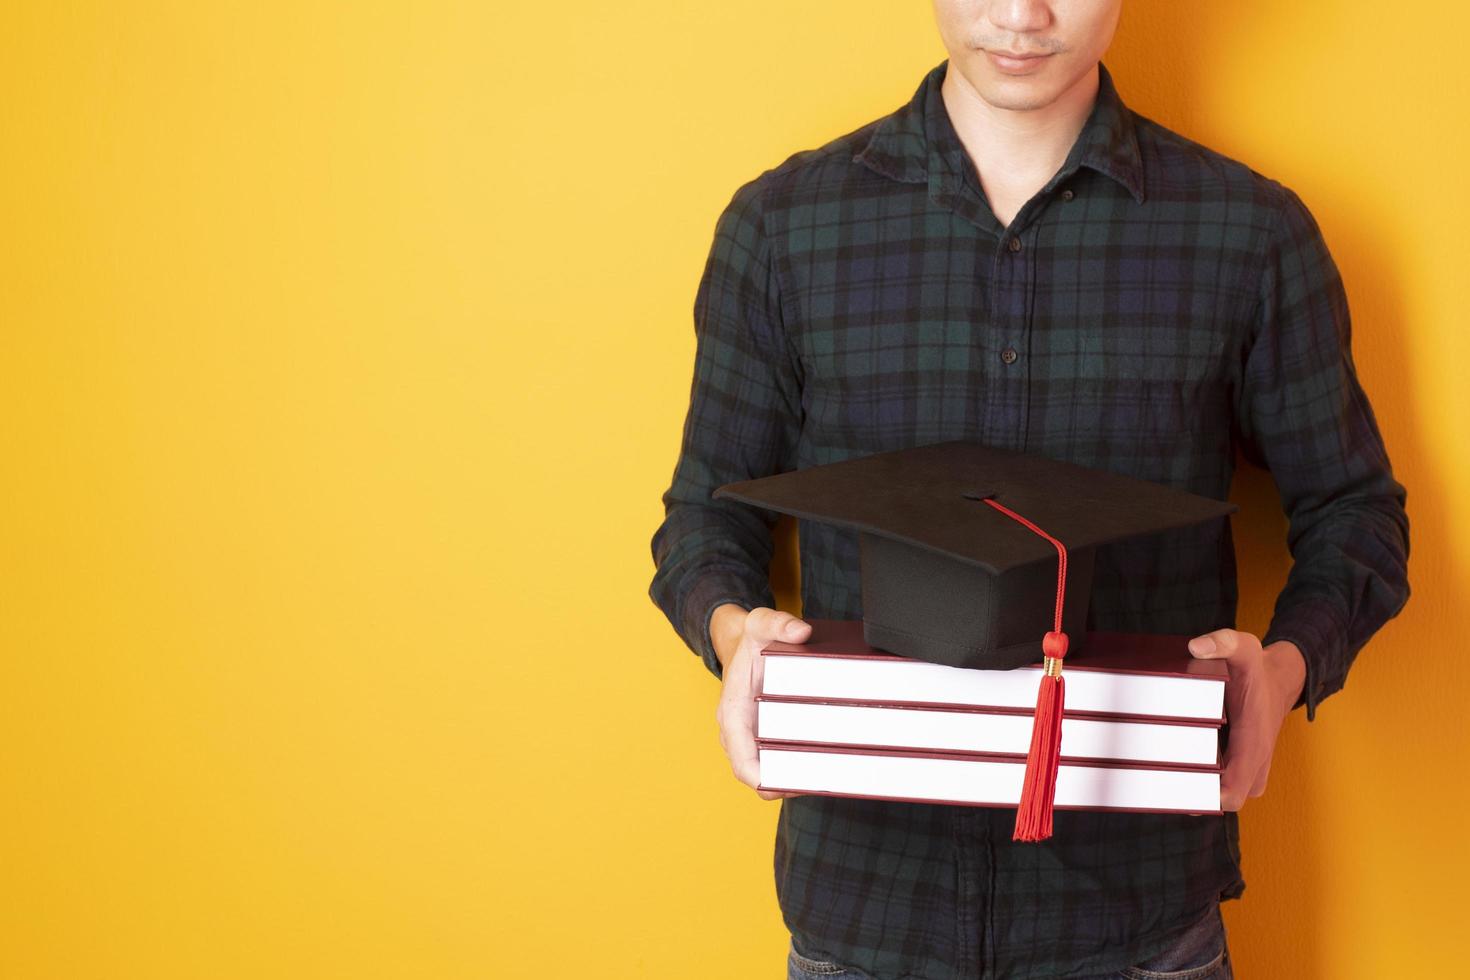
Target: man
{"type": "Point", "coordinates": [1014, 257]}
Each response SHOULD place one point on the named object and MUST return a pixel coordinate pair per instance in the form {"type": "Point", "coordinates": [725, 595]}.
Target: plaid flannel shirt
{"type": "Point", "coordinates": [1152, 310]}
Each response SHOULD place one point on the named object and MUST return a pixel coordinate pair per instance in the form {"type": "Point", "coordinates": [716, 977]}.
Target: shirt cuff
{"type": "Point", "coordinates": [709, 593]}
{"type": "Point", "coordinates": [1316, 626]}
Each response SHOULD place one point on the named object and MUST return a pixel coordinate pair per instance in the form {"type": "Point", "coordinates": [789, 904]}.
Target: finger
{"type": "Point", "coordinates": [1232, 793]}
{"type": "Point", "coordinates": [744, 753]}
{"type": "Point", "coordinates": [1252, 738]}
{"type": "Point", "coordinates": [1218, 644]}
{"type": "Point", "coordinates": [765, 625]}
{"type": "Point", "coordinates": [1236, 779]}
{"type": "Point", "coordinates": [724, 712]}
{"type": "Point", "coordinates": [1258, 788]}
{"type": "Point", "coordinates": [745, 762]}
{"type": "Point", "coordinates": [1259, 783]}
{"type": "Point", "coordinates": [1246, 780]}
{"type": "Point", "coordinates": [737, 738]}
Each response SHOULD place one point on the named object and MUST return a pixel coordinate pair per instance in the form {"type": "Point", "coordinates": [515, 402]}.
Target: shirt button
{"type": "Point", "coordinates": [1009, 355]}
{"type": "Point", "coordinates": [1067, 194]}
{"type": "Point", "coordinates": [1015, 245]}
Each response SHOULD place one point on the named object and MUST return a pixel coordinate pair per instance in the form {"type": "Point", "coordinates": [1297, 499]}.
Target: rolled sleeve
{"type": "Point", "coordinates": [743, 422]}
{"type": "Point", "coordinates": [1303, 415]}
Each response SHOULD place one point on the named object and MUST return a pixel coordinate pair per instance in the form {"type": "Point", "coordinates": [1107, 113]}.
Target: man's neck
{"type": "Point", "coordinates": [1017, 148]}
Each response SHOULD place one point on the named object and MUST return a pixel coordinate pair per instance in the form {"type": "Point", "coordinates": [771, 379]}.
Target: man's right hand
{"type": "Point", "coordinates": [738, 638]}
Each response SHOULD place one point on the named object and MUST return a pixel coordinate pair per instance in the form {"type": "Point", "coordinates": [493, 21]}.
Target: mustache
{"type": "Point", "coordinates": [1036, 46]}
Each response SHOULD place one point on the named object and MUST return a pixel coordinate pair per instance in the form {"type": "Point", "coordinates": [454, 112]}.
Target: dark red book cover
{"type": "Point", "coordinates": [1160, 654]}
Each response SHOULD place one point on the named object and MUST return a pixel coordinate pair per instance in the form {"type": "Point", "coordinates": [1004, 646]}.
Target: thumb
{"type": "Point", "coordinates": [794, 630]}
{"type": "Point", "coordinates": [766, 624]}
{"type": "Point", "coordinates": [1213, 645]}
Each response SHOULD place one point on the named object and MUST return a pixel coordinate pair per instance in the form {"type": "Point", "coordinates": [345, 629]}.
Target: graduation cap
{"type": "Point", "coordinates": [975, 556]}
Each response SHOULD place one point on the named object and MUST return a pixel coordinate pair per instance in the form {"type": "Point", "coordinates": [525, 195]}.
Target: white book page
{"type": "Point", "coordinates": [984, 781]}
{"type": "Point", "coordinates": [974, 731]}
{"type": "Point", "coordinates": [917, 680]}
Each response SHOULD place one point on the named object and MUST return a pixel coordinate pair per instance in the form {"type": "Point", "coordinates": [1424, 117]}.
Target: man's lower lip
{"type": "Point", "coordinates": [1020, 65]}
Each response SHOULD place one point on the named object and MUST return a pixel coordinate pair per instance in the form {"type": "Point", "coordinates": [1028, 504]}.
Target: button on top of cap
{"type": "Point", "coordinates": [1015, 245]}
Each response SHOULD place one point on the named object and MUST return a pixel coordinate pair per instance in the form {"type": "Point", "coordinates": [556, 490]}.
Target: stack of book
{"type": "Point", "coordinates": [1140, 729]}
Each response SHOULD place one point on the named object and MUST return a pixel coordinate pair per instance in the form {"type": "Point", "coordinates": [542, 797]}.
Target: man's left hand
{"type": "Point", "coordinates": [1262, 688]}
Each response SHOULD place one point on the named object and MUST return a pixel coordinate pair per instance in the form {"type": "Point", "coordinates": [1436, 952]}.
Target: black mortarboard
{"type": "Point", "coordinates": [947, 578]}
{"type": "Point", "coordinates": [973, 556]}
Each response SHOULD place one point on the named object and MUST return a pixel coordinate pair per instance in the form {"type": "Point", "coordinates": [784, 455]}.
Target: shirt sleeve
{"type": "Point", "coordinates": [1303, 415]}
{"type": "Point", "coordinates": [743, 422]}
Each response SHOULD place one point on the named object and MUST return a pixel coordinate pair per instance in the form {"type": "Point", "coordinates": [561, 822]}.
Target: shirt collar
{"type": "Point", "coordinates": [918, 142]}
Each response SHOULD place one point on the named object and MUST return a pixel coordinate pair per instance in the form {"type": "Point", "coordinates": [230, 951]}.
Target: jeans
{"type": "Point", "coordinates": [1198, 953]}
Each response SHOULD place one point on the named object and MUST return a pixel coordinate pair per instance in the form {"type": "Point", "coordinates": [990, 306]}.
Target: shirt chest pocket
{"type": "Point", "coordinates": [894, 382]}
{"type": "Point", "coordinates": [1150, 401]}
{"type": "Point", "coordinates": [1174, 356]}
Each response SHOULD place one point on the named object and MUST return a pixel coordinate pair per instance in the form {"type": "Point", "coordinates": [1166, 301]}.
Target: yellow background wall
{"type": "Point", "coordinates": [344, 350]}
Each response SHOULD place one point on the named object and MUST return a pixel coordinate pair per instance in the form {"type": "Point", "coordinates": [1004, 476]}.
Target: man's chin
{"type": "Point", "coordinates": [1025, 97]}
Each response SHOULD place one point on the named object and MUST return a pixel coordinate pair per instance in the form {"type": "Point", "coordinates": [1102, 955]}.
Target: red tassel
{"type": "Point", "coordinates": [1038, 791]}
{"type": "Point", "coordinates": [1039, 788]}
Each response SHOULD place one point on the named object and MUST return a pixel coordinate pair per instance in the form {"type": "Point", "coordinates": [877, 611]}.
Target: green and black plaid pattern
{"type": "Point", "coordinates": [1154, 309]}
